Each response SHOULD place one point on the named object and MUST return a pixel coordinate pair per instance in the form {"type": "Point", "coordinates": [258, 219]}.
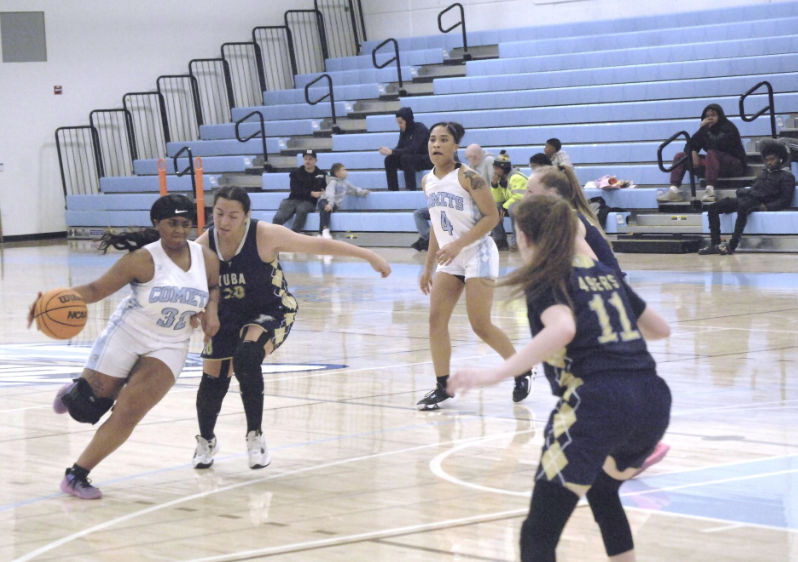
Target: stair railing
{"type": "Point", "coordinates": [335, 128]}
{"type": "Point", "coordinates": [260, 133]}
{"type": "Point", "coordinates": [402, 91]}
{"type": "Point", "coordinates": [771, 107]}
{"type": "Point", "coordinates": [686, 159]}
{"type": "Point", "coordinates": [461, 23]}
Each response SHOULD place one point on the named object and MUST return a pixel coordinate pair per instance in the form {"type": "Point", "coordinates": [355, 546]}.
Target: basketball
{"type": "Point", "coordinates": [60, 314]}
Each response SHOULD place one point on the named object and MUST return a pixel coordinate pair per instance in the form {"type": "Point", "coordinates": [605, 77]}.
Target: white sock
{"type": "Point", "coordinates": [674, 189]}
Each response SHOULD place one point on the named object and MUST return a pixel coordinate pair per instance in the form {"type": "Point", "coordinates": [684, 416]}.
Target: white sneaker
{"type": "Point", "coordinates": [326, 234]}
{"type": "Point", "coordinates": [709, 195]}
{"type": "Point", "coordinates": [203, 454]}
{"type": "Point", "coordinates": [670, 196]}
{"type": "Point", "coordinates": [259, 456]}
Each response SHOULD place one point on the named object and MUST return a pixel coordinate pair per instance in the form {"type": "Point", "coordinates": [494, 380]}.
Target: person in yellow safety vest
{"type": "Point", "coordinates": [508, 187]}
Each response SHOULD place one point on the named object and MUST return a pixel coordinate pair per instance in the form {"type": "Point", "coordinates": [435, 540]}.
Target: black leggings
{"type": "Point", "coordinates": [552, 506]}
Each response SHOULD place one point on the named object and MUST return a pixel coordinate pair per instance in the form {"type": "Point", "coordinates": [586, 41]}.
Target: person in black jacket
{"type": "Point", "coordinates": [772, 191]}
{"type": "Point", "coordinates": [308, 183]}
{"type": "Point", "coordinates": [725, 155]}
{"type": "Point", "coordinates": [410, 154]}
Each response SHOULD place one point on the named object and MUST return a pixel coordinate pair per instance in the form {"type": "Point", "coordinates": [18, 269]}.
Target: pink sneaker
{"type": "Point", "coordinates": [79, 487]}
{"type": "Point", "coordinates": [660, 451]}
{"type": "Point", "coordinates": [58, 405]}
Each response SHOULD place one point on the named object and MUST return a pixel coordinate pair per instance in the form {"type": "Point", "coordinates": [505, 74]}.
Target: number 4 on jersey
{"type": "Point", "coordinates": [446, 225]}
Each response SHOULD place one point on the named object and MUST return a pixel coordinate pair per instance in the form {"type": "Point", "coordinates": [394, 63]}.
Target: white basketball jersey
{"type": "Point", "coordinates": [161, 309]}
{"type": "Point", "coordinates": [452, 210]}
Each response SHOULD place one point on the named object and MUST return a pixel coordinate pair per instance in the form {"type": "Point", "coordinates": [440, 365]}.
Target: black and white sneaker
{"type": "Point", "coordinates": [523, 386]}
{"type": "Point", "coordinates": [434, 398]}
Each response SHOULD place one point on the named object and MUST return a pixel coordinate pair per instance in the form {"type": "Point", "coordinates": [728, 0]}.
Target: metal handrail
{"type": "Point", "coordinates": [466, 54]}
{"type": "Point", "coordinates": [161, 110]}
{"type": "Point", "coordinates": [319, 26]}
{"type": "Point", "coordinates": [289, 40]}
{"type": "Point", "coordinates": [98, 164]}
{"type": "Point", "coordinates": [688, 158]}
{"type": "Point", "coordinates": [336, 129]}
{"type": "Point", "coordinates": [228, 80]}
{"type": "Point", "coordinates": [257, 134]}
{"type": "Point", "coordinates": [131, 136]}
{"type": "Point", "coordinates": [402, 91]}
{"type": "Point", "coordinates": [771, 106]}
{"type": "Point", "coordinates": [258, 59]}
{"type": "Point", "coordinates": [194, 93]}
{"type": "Point", "coordinates": [190, 167]}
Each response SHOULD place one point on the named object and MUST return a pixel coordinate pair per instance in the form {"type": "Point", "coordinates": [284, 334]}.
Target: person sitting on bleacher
{"type": "Point", "coordinates": [538, 161]}
{"type": "Point", "coordinates": [508, 187]}
{"type": "Point", "coordinates": [725, 155]}
{"type": "Point", "coordinates": [773, 190]}
{"type": "Point", "coordinates": [556, 154]}
{"type": "Point", "coordinates": [411, 153]}
{"type": "Point", "coordinates": [308, 183]}
{"type": "Point", "coordinates": [337, 189]}
{"type": "Point", "coordinates": [481, 162]}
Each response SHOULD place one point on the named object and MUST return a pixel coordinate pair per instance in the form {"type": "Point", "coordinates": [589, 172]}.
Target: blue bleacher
{"type": "Point", "coordinates": [342, 93]}
{"type": "Point", "coordinates": [642, 55]}
{"type": "Point", "coordinates": [659, 90]}
{"type": "Point", "coordinates": [407, 58]}
{"type": "Point", "coordinates": [593, 132]}
{"type": "Point", "coordinates": [293, 111]}
{"type": "Point", "coordinates": [365, 179]}
{"type": "Point", "coordinates": [273, 129]}
{"type": "Point", "coordinates": [720, 17]}
{"type": "Point", "coordinates": [364, 76]}
{"type": "Point", "coordinates": [227, 147]}
{"type": "Point", "coordinates": [145, 184]}
{"type": "Point", "coordinates": [594, 113]}
{"type": "Point", "coordinates": [745, 66]}
{"type": "Point", "coordinates": [210, 165]}
{"type": "Point", "coordinates": [584, 154]}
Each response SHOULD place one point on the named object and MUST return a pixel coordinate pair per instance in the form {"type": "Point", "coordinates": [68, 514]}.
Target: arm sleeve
{"type": "Point", "coordinates": [787, 190]}
{"type": "Point", "coordinates": [329, 191]}
{"type": "Point", "coordinates": [418, 144]}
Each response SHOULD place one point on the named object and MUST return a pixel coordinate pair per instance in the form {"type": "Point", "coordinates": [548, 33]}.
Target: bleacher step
{"type": "Point", "coordinates": [346, 125]}
{"type": "Point", "coordinates": [300, 144]}
{"type": "Point", "coordinates": [411, 88]}
{"type": "Point", "coordinates": [373, 107]}
{"type": "Point", "coordinates": [246, 181]}
{"type": "Point", "coordinates": [656, 244]}
{"type": "Point", "coordinates": [669, 220]}
{"type": "Point", "coordinates": [433, 71]}
{"type": "Point", "coordinates": [477, 53]}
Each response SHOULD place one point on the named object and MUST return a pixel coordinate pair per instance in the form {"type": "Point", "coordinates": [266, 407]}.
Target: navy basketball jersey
{"type": "Point", "coordinates": [607, 339]}
{"type": "Point", "coordinates": [249, 286]}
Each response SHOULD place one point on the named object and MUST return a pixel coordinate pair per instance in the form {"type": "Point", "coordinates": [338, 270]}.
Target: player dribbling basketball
{"type": "Point", "coordinates": [141, 352]}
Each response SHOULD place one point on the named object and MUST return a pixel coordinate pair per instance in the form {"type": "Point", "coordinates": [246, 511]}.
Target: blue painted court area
{"type": "Point", "coordinates": [763, 492]}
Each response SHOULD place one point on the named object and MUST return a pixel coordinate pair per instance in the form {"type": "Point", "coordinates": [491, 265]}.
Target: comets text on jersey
{"type": "Point", "coordinates": [185, 295]}
{"type": "Point", "coordinates": [444, 199]}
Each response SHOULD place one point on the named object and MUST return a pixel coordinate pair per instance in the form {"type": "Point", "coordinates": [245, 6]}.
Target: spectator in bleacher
{"type": "Point", "coordinates": [334, 195]}
{"type": "Point", "coordinates": [410, 154]}
{"type": "Point", "coordinates": [556, 154]}
{"type": "Point", "coordinates": [773, 190]}
{"type": "Point", "coordinates": [480, 161]}
{"type": "Point", "coordinates": [508, 186]}
{"type": "Point", "coordinates": [725, 155]}
{"type": "Point", "coordinates": [308, 183]}
{"type": "Point", "coordinates": [422, 218]}
{"type": "Point", "coordinates": [538, 161]}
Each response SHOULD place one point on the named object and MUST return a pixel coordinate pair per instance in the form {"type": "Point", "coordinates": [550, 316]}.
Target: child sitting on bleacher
{"type": "Point", "coordinates": [334, 195]}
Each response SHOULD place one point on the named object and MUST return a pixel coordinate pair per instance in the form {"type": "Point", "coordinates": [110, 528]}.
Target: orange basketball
{"type": "Point", "coordinates": [61, 314]}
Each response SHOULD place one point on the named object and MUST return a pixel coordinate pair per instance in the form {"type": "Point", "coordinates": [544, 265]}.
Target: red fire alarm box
{"type": "Point", "coordinates": [57, 90]}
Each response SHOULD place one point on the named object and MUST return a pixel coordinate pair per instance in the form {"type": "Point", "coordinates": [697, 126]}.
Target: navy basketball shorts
{"type": "Point", "coordinates": [223, 344]}
{"type": "Point", "coordinates": [622, 416]}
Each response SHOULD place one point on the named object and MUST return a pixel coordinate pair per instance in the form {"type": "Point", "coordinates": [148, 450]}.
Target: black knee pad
{"type": "Point", "coordinates": [550, 509]}
{"type": "Point", "coordinates": [83, 405]}
{"type": "Point", "coordinates": [605, 502]}
{"type": "Point", "coordinates": [248, 358]}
